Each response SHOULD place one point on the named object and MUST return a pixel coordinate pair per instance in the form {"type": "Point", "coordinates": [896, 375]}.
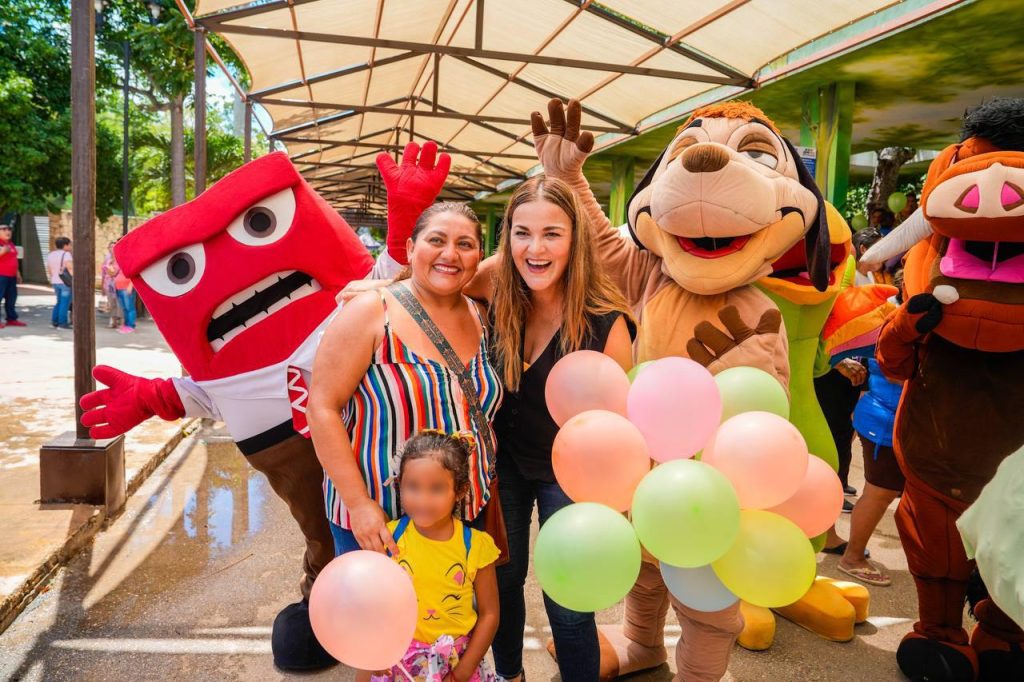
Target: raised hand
{"type": "Point", "coordinates": [739, 344]}
{"type": "Point", "coordinates": [412, 187]}
{"type": "Point", "coordinates": [129, 401]}
{"type": "Point", "coordinates": [562, 149]}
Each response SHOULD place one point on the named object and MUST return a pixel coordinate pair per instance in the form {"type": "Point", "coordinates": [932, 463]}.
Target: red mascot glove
{"type": "Point", "coordinates": [129, 401]}
{"type": "Point", "coordinates": [412, 188]}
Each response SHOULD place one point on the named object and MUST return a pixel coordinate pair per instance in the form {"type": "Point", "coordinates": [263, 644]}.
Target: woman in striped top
{"type": "Point", "coordinates": [379, 380]}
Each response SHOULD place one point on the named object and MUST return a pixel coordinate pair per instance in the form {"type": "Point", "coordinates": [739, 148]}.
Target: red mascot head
{"type": "Point", "coordinates": [239, 277]}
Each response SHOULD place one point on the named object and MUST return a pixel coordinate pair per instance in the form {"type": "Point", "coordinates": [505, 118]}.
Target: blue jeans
{"type": "Point", "coordinates": [344, 540]}
{"type": "Point", "coordinates": [579, 658]}
{"type": "Point", "coordinates": [127, 301]}
{"type": "Point", "coordinates": [9, 292]}
{"type": "Point", "coordinates": [60, 310]}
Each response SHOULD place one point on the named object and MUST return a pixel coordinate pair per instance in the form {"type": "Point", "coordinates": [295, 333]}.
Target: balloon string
{"type": "Point", "coordinates": [405, 672]}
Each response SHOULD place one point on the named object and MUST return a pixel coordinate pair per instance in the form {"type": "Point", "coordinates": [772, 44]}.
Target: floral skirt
{"type": "Point", "coordinates": [431, 662]}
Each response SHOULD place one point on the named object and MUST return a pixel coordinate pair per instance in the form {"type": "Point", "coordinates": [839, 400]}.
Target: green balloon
{"type": "Point", "coordinates": [859, 221]}
{"type": "Point", "coordinates": [635, 372]}
{"type": "Point", "coordinates": [686, 513]}
{"type": "Point", "coordinates": [748, 389]}
{"type": "Point", "coordinates": [587, 557]}
{"type": "Point", "coordinates": [818, 542]}
{"type": "Point", "coordinates": [897, 201]}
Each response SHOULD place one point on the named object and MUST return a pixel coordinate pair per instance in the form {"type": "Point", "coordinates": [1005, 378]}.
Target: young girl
{"type": "Point", "coordinates": [451, 565]}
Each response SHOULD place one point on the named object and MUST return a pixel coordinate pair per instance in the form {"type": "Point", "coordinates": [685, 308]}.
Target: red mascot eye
{"type": "Point", "coordinates": [266, 221]}
{"type": "Point", "coordinates": [181, 268]}
{"type": "Point", "coordinates": [178, 273]}
{"type": "Point", "coordinates": [259, 222]}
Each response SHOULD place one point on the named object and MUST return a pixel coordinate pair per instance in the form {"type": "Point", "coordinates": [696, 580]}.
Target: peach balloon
{"type": "Point", "coordinates": [363, 610]}
{"type": "Point", "coordinates": [585, 380]}
{"type": "Point", "coordinates": [763, 455]}
{"type": "Point", "coordinates": [599, 456]}
{"type": "Point", "coordinates": [817, 503]}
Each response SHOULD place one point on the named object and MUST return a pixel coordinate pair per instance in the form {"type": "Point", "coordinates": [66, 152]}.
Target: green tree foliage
{"type": "Point", "coordinates": [35, 111]}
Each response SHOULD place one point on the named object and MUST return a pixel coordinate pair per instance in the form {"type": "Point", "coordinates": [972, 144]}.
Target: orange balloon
{"type": "Point", "coordinates": [585, 380]}
{"type": "Point", "coordinates": [817, 503]}
{"type": "Point", "coordinates": [599, 456]}
{"type": "Point", "coordinates": [363, 610]}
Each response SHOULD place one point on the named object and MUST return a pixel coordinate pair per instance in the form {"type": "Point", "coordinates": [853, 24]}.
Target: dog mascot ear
{"type": "Point", "coordinates": [817, 243]}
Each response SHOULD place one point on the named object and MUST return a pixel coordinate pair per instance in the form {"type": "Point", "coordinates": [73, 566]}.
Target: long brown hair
{"type": "Point", "coordinates": [587, 289]}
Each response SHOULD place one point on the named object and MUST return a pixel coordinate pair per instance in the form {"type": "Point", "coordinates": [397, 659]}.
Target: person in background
{"type": "Point", "coordinates": [59, 262]}
{"type": "Point", "coordinates": [10, 278]}
{"type": "Point", "coordinates": [909, 208]}
{"type": "Point", "coordinates": [125, 299]}
{"type": "Point", "coordinates": [873, 419]}
{"type": "Point", "coordinates": [109, 270]}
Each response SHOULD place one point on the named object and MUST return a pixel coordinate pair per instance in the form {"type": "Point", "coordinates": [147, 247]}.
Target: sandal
{"type": "Point", "coordinates": [869, 575]}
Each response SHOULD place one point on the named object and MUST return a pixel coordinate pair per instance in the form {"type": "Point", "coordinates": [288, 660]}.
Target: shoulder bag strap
{"type": "Point", "coordinates": [415, 309]}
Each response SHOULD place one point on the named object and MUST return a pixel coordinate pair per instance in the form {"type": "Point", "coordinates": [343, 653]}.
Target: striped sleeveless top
{"type": "Point", "coordinates": [401, 394]}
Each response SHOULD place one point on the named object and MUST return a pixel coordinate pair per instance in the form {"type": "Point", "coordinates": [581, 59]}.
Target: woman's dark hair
{"type": "Point", "coordinates": [451, 450]}
{"type": "Point", "coordinates": [61, 242]}
{"type": "Point", "coordinates": [455, 207]}
{"type": "Point", "coordinates": [865, 239]}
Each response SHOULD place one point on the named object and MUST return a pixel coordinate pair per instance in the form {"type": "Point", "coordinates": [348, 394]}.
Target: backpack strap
{"type": "Point", "coordinates": [403, 523]}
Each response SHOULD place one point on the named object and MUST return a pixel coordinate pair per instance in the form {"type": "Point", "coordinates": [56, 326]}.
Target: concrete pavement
{"type": "Point", "coordinates": [37, 404]}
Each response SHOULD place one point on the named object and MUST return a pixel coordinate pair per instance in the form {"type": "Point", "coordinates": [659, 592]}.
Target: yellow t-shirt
{"type": "Point", "coordinates": [443, 576]}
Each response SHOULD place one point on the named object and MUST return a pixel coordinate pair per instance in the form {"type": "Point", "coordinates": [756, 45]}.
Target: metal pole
{"type": "Point", "coordinates": [83, 198]}
{"type": "Point", "coordinates": [247, 153]}
{"type": "Point", "coordinates": [125, 190]}
{"type": "Point", "coordinates": [200, 107]}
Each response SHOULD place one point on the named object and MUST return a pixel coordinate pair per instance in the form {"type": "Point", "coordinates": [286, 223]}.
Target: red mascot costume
{"type": "Point", "coordinates": [242, 282]}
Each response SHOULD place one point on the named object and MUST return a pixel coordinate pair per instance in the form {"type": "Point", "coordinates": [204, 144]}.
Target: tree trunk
{"type": "Point", "coordinates": [890, 160]}
{"type": "Point", "coordinates": [177, 151]}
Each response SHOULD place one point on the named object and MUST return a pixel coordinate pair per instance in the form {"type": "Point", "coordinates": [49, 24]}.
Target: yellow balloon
{"type": "Point", "coordinates": [770, 564]}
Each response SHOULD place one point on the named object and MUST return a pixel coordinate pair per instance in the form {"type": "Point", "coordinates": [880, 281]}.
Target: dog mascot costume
{"type": "Point", "coordinates": [958, 342]}
{"type": "Point", "coordinates": [727, 198]}
{"type": "Point", "coordinates": [241, 282]}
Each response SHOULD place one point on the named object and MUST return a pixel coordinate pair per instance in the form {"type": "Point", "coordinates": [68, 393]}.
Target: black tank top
{"type": "Point", "coordinates": [523, 426]}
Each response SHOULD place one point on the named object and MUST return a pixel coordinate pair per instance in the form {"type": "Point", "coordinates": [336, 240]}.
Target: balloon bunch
{"type": "Point", "coordinates": [730, 510]}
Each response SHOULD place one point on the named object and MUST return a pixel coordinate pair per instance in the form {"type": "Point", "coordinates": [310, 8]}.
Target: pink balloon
{"type": "Point", "coordinates": [676, 405]}
{"type": "Point", "coordinates": [818, 501]}
{"type": "Point", "coordinates": [585, 380]}
{"type": "Point", "coordinates": [599, 456]}
{"type": "Point", "coordinates": [363, 610]}
{"type": "Point", "coordinates": [763, 455]}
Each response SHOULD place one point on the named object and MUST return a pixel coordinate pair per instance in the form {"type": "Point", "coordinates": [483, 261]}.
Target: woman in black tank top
{"type": "Point", "coordinates": [548, 298]}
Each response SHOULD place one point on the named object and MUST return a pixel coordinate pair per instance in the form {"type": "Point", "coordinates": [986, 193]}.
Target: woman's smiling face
{"type": "Point", "coordinates": [541, 240]}
{"type": "Point", "coordinates": [446, 253]}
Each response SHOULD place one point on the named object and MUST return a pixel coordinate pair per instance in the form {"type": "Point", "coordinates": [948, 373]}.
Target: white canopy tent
{"type": "Point", "coordinates": [343, 79]}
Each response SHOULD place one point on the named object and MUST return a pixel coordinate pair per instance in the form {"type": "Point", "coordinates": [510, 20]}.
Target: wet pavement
{"type": "Point", "coordinates": [187, 583]}
{"type": "Point", "coordinates": [36, 405]}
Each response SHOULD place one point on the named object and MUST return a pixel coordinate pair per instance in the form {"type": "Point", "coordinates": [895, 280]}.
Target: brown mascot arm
{"type": "Point", "coordinates": [896, 350]}
{"type": "Point", "coordinates": [562, 151]}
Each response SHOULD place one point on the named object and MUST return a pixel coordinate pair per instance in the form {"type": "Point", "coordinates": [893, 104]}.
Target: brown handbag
{"type": "Point", "coordinates": [491, 519]}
